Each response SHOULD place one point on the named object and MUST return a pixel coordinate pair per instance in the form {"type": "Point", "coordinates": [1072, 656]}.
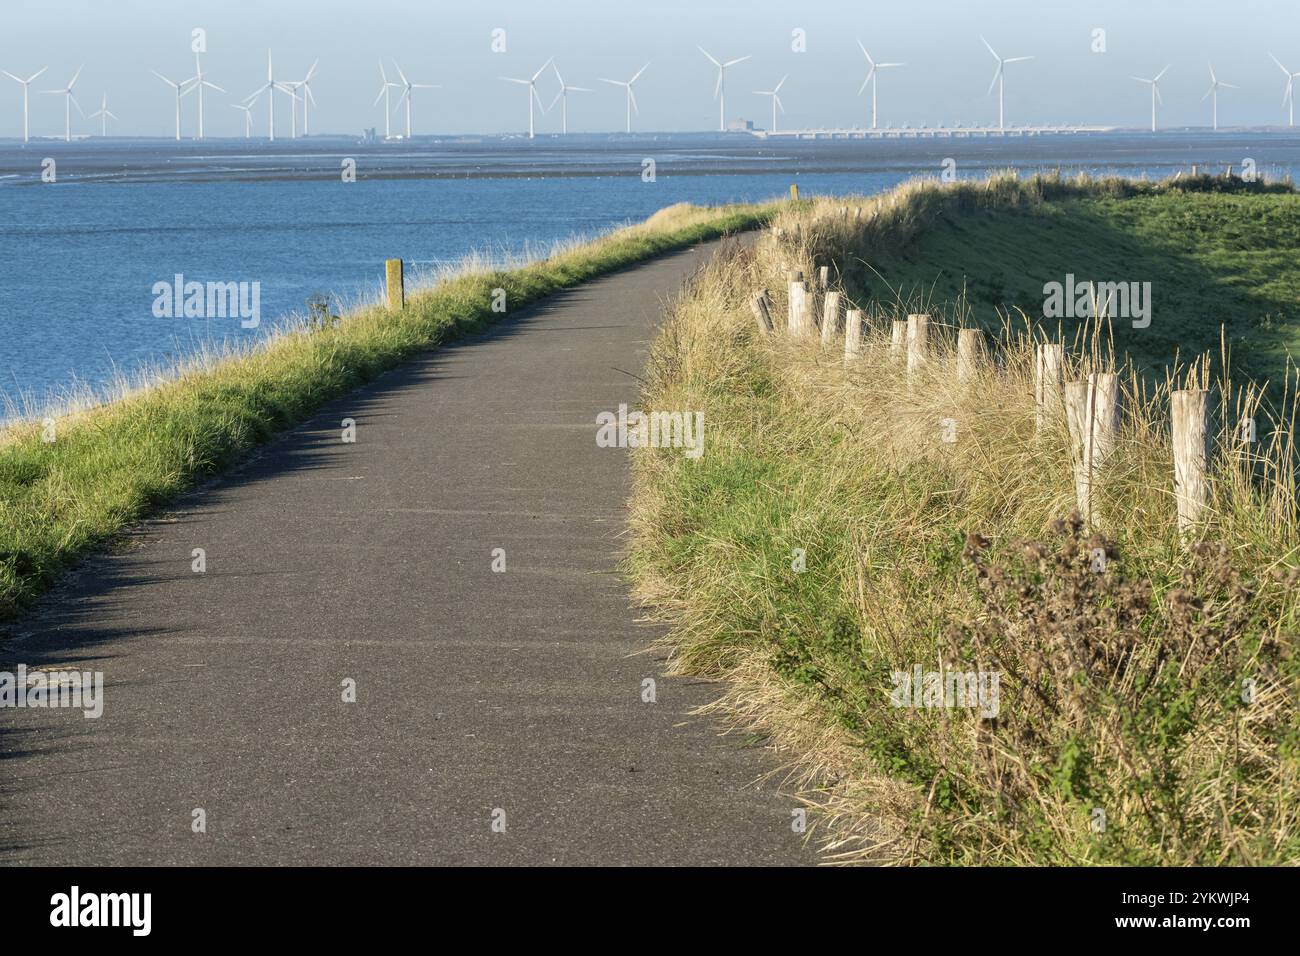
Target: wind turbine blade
{"type": "Point", "coordinates": [556, 68]}
{"type": "Point", "coordinates": [73, 82]}
{"type": "Point", "coordinates": [864, 51]}
{"type": "Point", "coordinates": [885, 66]}
{"type": "Point", "coordinates": [76, 104]}
{"type": "Point", "coordinates": [163, 78]}
{"type": "Point", "coordinates": [1159, 99]}
{"type": "Point", "coordinates": [577, 89]}
{"type": "Point", "coordinates": [996, 74]}
{"type": "Point", "coordinates": [1140, 79]}
{"type": "Point", "coordinates": [110, 114]}
{"type": "Point", "coordinates": [779, 104]}
{"type": "Point", "coordinates": [613, 82]}
{"type": "Point", "coordinates": [401, 74]}
{"type": "Point", "coordinates": [310, 95]}
{"type": "Point", "coordinates": [991, 50]}
{"type": "Point", "coordinates": [638, 73]}
{"type": "Point", "coordinates": [543, 69]}
{"type": "Point", "coordinates": [739, 59]}
{"type": "Point", "coordinates": [1017, 59]}
{"type": "Point", "coordinates": [382, 75]}
{"type": "Point", "coordinates": [710, 56]}
{"type": "Point", "coordinates": [1162, 73]}
{"type": "Point", "coordinates": [781, 84]}
{"type": "Point", "coordinates": [537, 96]}
{"type": "Point", "coordinates": [1230, 86]}
{"type": "Point", "coordinates": [382, 90]}
{"type": "Point", "coordinates": [865, 82]}
{"type": "Point", "coordinates": [213, 86]}
{"type": "Point", "coordinates": [37, 73]}
{"type": "Point", "coordinates": [556, 100]}
{"type": "Point", "coordinates": [631, 95]}
{"type": "Point", "coordinates": [12, 77]}
{"type": "Point", "coordinates": [312, 71]}
{"type": "Point", "coordinates": [1207, 94]}
{"type": "Point", "coordinates": [717, 87]}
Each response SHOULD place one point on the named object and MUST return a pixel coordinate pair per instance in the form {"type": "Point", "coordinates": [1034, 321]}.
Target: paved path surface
{"type": "Point", "coordinates": [372, 561]}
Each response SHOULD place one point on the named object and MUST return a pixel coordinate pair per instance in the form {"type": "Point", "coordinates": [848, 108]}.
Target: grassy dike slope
{"type": "Point", "coordinates": [1215, 253]}
{"type": "Point", "coordinates": [829, 538]}
{"type": "Point", "coordinates": [112, 465]}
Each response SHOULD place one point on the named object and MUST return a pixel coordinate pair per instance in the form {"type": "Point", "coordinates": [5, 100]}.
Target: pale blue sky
{"type": "Point", "coordinates": [945, 79]}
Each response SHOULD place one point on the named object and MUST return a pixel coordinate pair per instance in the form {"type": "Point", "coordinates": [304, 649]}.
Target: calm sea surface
{"type": "Point", "coordinates": [79, 257]}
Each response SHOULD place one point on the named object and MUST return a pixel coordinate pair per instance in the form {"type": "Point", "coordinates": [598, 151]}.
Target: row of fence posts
{"type": "Point", "coordinates": [1091, 407]}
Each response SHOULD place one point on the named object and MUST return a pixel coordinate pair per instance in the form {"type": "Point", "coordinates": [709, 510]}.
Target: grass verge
{"type": "Point", "coordinates": [111, 465]}
{"type": "Point", "coordinates": [830, 539]}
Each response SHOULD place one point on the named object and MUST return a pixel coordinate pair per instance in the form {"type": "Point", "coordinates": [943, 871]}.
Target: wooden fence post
{"type": "Point", "coordinates": [1093, 414]}
{"type": "Point", "coordinates": [762, 310]}
{"type": "Point", "coordinates": [396, 283]}
{"type": "Point", "coordinates": [970, 354]}
{"type": "Point", "coordinates": [823, 278]}
{"type": "Point", "coordinates": [796, 322]}
{"type": "Point", "coordinates": [852, 335]}
{"type": "Point", "coordinates": [1049, 378]}
{"type": "Point", "coordinates": [897, 340]}
{"type": "Point", "coordinates": [1190, 411]}
{"type": "Point", "coordinates": [832, 316]}
{"type": "Point", "coordinates": [918, 337]}
{"type": "Point", "coordinates": [794, 192]}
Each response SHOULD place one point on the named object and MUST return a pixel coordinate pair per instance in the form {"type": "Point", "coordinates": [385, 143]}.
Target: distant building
{"type": "Point", "coordinates": [370, 135]}
{"type": "Point", "coordinates": [740, 126]}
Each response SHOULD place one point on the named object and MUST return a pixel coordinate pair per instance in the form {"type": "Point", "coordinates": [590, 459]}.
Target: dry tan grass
{"type": "Point", "coordinates": [1137, 669]}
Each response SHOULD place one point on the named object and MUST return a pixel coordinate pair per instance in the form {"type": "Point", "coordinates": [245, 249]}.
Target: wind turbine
{"type": "Point", "coordinates": [248, 119]}
{"type": "Point", "coordinates": [385, 86]}
{"type": "Point", "coordinates": [270, 87]}
{"type": "Point", "coordinates": [631, 97]}
{"type": "Point", "coordinates": [181, 90]}
{"type": "Point", "coordinates": [999, 79]}
{"type": "Point", "coordinates": [1288, 96]}
{"type": "Point", "coordinates": [565, 90]}
{"type": "Point", "coordinates": [104, 115]}
{"type": "Point", "coordinates": [290, 88]}
{"type": "Point", "coordinates": [776, 98]}
{"type": "Point", "coordinates": [407, 87]}
{"type": "Point", "coordinates": [308, 97]}
{"type": "Point", "coordinates": [68, 101]}
{"type": "Point", "coordinates": [532, 92]}
{"type": "Point", "coordinates": [197, 82]}
{"type": "Point", "coordinates": [1155, 93]}
{"type": "Point", "coordinates": [25, 84]}
{"type": "Point", "coordinates": [873, 79]}
{"type": "Point", "coordinates": [1213, 94]}
{"type": "Point", "coordinates": [720, 90]}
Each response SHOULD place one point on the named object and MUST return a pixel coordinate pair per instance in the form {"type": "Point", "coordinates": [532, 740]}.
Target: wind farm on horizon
{"type": "Point", "coordinates": [397, 94]}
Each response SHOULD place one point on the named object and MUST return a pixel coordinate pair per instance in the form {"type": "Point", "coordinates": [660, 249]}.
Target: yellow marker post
{"type": "Point", "coordinates": [396, 284]}
{"type": "Point", "coordinates": [794, 192]}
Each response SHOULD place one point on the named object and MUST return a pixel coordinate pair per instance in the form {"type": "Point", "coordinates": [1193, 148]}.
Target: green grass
{"type": "Point", "coordinates": [1121, 691]}
{"type": "Point", "coordinates": [112, 465]}
{"type": "Point", "coordinates": [1212, 259]}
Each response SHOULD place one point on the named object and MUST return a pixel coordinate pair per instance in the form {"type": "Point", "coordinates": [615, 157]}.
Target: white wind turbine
{"type": "Point", "coordinates": [774, 92]}
{"type": "Point", "coordinates": [532, 93]}
{"type": "Point", "coordinates": [999, 78]}
{"type": "Point", "coordinates": [181, 89]}
{"type": "Point", "coordinates": [565, 90]}
{"type": "Point", "coordinates": [308, 97]}
{"type": "Point", "coordinates": [385, 86]}
{"type": "Point", "coordinates": [269, 88]}
{"type": "Point", "coordinates": [631, 97]}
{"type": "Point", "coordinates": [1213, 94]}
{"type": "Point", "coordinates": [103, 115]}
{"type": "Point", "coordinates": [26, 84]}
{"type": "Point", "coordinates": [1154, 83]}
{"type": "Point", "coordinates": [873, 78]}
{"type": "Point", "coordinates": [407, 88]}
{"type": "Point", "coordinates": [248, 119]}
{"type": "Point", "coordinates": [720, 88]}
{"type": "Point", "coordinates": [68, 101]}
{"type": "Point", "coordinates": [1288, 95]}
{"type": "Point", "coordinates": [197, 82]}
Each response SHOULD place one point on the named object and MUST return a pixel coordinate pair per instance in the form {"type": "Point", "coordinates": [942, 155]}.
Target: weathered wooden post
{"type": "Point", "coordinates": [897, 340]}
{"type": "Point", "coordinates": [852, 335]}
{"type": "Point", "coordinates": [970, 354]}
{"type": "Point", "coordinates": [794, 192]}
{"type": "Point", "coordinates": [798, 317]}
{"type": "Point", "coordinates": [762, 310]}
{"type": "Point", "coordinates": [918, 338]}
{"type": "Point", "coordinates": [1049, 379]}
{"type": "Point", "coordinates": [823, 278]}
{"type": "Point", "coordinates": [1093, 415]}
{"type": "Point", "coordinates": [832, 316]}
{"type": "Point", "coordinates": [396, 284]}
{"type": "Point", "coordinates": [1190, 412]}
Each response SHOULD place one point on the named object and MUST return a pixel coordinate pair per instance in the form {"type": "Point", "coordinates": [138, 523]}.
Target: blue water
{"type": "Point", "coordinates": [79, 258]}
